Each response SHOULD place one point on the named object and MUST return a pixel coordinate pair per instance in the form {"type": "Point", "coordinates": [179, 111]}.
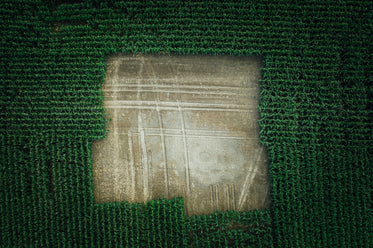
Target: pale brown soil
{"type": "Point", "coordinates": [183, 126]}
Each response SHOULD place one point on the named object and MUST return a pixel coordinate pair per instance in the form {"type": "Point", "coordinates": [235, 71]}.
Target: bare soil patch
{"type": "Point", "coordinates": [183, 126]}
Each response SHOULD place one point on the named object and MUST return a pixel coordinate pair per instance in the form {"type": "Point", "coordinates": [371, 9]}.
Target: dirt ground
{"type": "Point", "coordinates": [183, 126]}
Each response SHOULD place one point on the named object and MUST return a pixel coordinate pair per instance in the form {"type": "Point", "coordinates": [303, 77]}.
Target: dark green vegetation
{"type": "Point", "coordinates": [315, 116]}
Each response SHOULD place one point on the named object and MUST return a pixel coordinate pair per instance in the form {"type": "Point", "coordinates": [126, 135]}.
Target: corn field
{"type": "Point", "coordinates": [315, 119]}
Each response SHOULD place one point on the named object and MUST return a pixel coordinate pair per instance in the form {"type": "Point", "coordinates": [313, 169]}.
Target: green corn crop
{"type": "Point", "coordinates": [315, 107]}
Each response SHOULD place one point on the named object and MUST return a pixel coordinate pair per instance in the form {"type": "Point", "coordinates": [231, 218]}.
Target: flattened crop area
{"type": "Point", "coordinates": [183, 126]}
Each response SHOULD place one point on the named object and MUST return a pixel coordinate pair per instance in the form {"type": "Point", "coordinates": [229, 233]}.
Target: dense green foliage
{"type": "Point", "coordinates": [315, 110]}
{"type": "Point", "coordinates": [231, 229]}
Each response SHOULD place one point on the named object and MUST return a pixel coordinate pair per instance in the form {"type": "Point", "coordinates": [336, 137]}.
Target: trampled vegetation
{"type": "Point", "coordinates": [315, 111]}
